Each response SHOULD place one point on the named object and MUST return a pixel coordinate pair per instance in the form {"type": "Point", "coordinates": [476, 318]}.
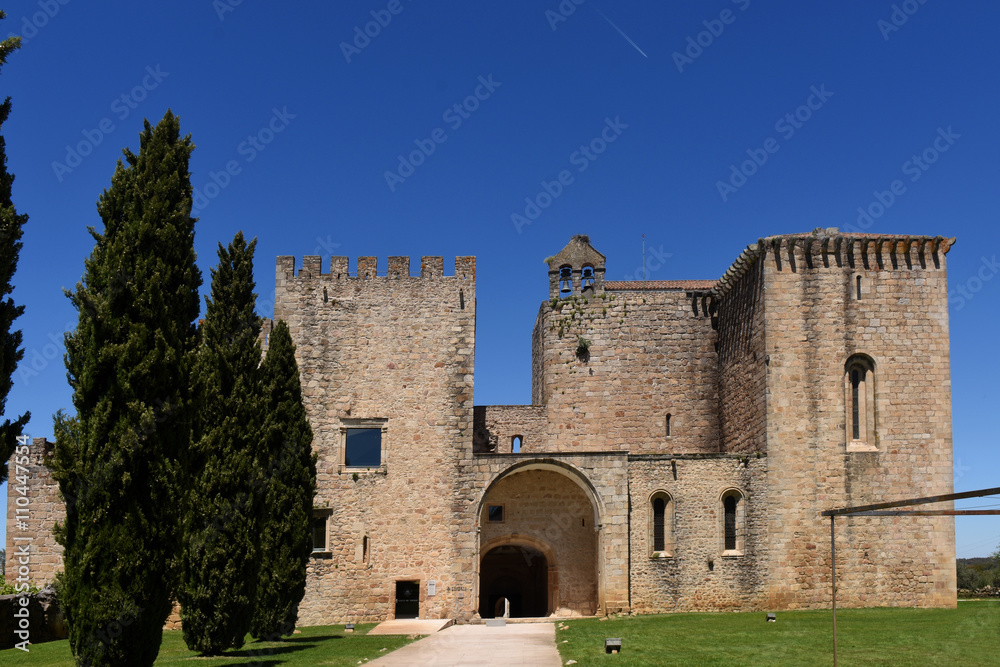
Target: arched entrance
{"type": "Point", "coordinates": [539, 543]}
{"type": "Point", "coordinates": [514, 579]}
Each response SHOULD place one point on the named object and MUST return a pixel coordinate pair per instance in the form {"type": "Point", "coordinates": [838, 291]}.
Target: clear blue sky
{"type": "Point", "coordinates": [310, 127]}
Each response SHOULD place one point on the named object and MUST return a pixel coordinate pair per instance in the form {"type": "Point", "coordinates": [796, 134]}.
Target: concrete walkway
{"type": "Point", "coordinates": [513, 645]}
{"type": "Point", "coordinates": [410, 626]}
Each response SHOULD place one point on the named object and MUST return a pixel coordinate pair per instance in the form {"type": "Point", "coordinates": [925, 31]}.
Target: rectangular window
{"type": "Point", "coordinates": [319, 533]}
{"type": "Point", "coordinates": [363, 448]}
{"type": "Point", "coordinates": [495, 513]}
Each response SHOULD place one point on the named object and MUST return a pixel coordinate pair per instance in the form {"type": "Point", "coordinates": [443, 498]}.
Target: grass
{"type": "Point", "coordinates": [969, 635]}
{"type": "Point", "coordinates": [323, 645]}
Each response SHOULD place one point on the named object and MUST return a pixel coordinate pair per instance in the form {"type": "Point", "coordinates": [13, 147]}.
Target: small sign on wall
{"type": "Point", "coordinates": [431, 587]}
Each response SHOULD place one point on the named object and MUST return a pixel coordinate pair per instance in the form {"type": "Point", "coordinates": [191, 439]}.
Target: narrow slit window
{"type": "Point", "coordinates": [668, 424]}
{"type": "Point", "coordinates": [859, 397]}
{"type": "Point", "coordinates": [659, 512]}
{"type": "Point", "coordinates": [859, 287]}
{"type": "Point", "coordinates": [855, 404]}
{"type": "Point", "coordinates": [364, 549]}
{"type": "Point", "coordinates": [661, 525]}
{"type": "Point", "coordinates": [729, 505]}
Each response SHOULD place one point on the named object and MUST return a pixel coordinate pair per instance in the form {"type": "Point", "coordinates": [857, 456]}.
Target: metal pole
{"type": "Point", "coordinates": [833, 588]}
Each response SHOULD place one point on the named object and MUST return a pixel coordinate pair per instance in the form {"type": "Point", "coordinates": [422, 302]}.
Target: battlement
{"type": "Point", "coordinates": [367, 269]}
{"type": "Point", "coordinates": [823, 248]}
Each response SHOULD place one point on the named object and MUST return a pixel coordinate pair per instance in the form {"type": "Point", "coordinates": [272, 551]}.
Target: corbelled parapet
{"type": "Point", "coordinates": [829, 247]}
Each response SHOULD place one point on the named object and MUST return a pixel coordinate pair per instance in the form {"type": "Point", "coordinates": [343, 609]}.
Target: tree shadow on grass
{"type": "Point", "coordinates": [311, 638]}
{"type": "Point", "coordinates": [268, 652]}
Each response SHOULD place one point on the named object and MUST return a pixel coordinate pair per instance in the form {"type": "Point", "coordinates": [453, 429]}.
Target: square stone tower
{"type": "Point", "coordinates": [834, 360]}
{"type": "Point", "coordinates": [386, 363]}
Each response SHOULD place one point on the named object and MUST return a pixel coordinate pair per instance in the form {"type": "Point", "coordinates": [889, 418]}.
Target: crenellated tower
{"type": "Point", "coordinates": [386, 362]}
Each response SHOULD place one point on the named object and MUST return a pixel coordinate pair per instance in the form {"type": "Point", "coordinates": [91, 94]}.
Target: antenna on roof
{"type": "Point", "coordinates": [643, 256]}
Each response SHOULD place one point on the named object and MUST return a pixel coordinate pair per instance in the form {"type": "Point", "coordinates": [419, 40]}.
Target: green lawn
{"type": "Point", "coordinates": [325, 645]}
{"type": "Point", "coordinates": [969, 635]}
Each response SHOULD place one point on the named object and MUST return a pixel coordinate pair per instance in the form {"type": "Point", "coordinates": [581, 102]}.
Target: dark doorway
{"type": "Point", "coordinates": [407, 599]}
{"type": "Point", "coordinates": [517, 574]}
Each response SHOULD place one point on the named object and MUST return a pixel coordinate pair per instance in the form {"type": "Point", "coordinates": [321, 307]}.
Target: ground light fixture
{"type": "Point", "coordinates": [349, 627]}
{"type": "Point", "coordinates": [613, 645]}
{"type": "Point", "coordinates": [772, 618]}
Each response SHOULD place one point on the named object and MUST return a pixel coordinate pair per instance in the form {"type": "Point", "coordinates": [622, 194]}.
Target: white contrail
{"type": "Point", "coordinates": [627, 38]}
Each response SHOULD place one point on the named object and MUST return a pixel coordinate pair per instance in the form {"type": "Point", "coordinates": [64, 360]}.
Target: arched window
{"type": "Point", "coordinates": [859, 399]}
{"type": "Point", "coordinates": [565, 281]}
{"type": "Point", "coordinates": [515, 444]}
{"type": "Point", "coordinates": [733, 522]}
{"type": "Point", "coordinates": [661, 525]}
{"type": "Point", "coordinates": [587, 280]}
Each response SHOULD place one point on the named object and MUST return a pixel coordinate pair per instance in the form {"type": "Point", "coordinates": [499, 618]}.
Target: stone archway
{"type": "Point", "coordinates": [539, 532]}
{"type": "Point", "coordinates": [514, 578]}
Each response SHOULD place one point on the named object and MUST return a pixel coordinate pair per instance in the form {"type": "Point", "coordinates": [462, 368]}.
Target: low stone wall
{"type": "Point", "coordinates": [45, 623]}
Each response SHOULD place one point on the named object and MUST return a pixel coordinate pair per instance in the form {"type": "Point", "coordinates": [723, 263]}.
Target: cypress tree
{"type": "Point", "coordinates": [11, 225]}
{"type": "Point", "coordinates": [219, 560]}
{"type": "Point", "coordinates": [288, 485]}
{"type": "Point", "coordinates": [127, 361]}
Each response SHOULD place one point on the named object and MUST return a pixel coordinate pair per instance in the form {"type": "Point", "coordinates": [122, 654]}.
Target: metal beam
{"type": "Point", "coordinates": [912, 501]}
{"type": "Point", "coordinates": [927, 513]}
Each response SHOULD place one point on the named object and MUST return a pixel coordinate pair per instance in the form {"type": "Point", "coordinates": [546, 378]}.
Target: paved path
{"type": "Point", "coordinates": [513, 645]}
{"type": "Point", "coordinates": [410, 626]}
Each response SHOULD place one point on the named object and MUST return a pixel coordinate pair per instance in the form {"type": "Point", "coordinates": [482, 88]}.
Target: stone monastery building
{"type": "Point", "coordinates": [682, 440]}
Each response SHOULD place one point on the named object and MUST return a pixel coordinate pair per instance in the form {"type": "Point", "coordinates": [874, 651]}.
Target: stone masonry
{"type": "Point", "coordinates": [683, 436]}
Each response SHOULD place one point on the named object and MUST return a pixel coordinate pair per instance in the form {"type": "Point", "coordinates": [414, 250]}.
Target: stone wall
{"type": "Point", "coordinates": [743, 365]}
{"type": "Point", "coordinates": [34, 528]}
{"type": "Point", "coordinates": [651, 353]}
{"type": "Point", "coordinates": [497, 425]}
{"type": "Point", "coordinates": [603, 477]}
{"type": "Point", "coordinates": [814, 322]}
{"type": "Point", "coordinates": [400, 349]}
{"type": "Point", "coordinates": [549, 508]}
{"type": "Point", "coordinates": [696, 575]}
